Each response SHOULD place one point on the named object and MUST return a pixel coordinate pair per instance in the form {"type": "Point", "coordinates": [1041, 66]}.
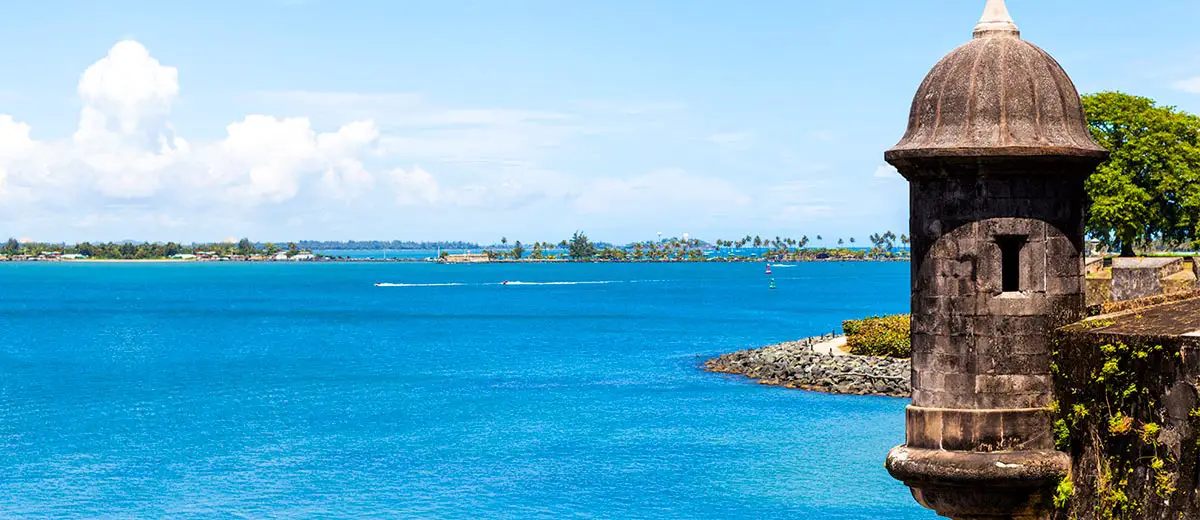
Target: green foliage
{"type": "Point", "coordinates": [517, 251]}
{"type": "Point", "coordinates": [886, 336]}
{"type": "Point", "coordinates": [580, 248]}
{"type": "Point", "coordinates": [1062, 435]}
{"type": "Point", "coordinates": [246, 247]}
{"type": "Point", "coordinates": [1063, 493]}
{"type": "Point", "coordinates": [11, 247]}
{"type": "Point", "coordinates": [1106, 405]}
{"type": "Point", "coordinates": [1119, 424]}
{"type": "Point", "coordinates": [1149, 189]}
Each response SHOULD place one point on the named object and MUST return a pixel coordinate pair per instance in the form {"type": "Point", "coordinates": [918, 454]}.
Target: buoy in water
{"type": "Point", "coordinates": [772, 283]}
{"type": "Point", "coordinates": [768, 267]}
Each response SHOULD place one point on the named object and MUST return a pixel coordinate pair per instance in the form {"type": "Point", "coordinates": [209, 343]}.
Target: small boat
{"type": "Point", "coordinates": [504, 282]}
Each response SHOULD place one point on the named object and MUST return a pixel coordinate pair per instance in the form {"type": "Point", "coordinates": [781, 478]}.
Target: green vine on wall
{"type": "Point", "coordinates": [1108, 418]}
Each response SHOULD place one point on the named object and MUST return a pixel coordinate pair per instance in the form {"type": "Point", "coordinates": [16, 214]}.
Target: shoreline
{"type": "Point", "coordinates": [427, 261]}
{"type": "Point", "coordinates": [796, 365]}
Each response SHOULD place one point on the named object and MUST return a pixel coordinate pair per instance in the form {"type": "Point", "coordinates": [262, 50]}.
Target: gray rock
{"type": "Point", "coordinates": [793, 364]}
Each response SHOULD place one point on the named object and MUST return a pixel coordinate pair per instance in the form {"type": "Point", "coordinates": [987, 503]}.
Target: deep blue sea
{"type": "Point", "coordinates": [219, 390]}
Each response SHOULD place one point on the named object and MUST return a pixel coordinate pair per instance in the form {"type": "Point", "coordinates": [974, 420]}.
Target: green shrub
{"type": "Point", "coordinates": [886, 336]}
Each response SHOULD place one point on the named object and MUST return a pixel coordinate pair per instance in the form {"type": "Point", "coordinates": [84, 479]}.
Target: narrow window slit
{"type": "Point", "coordinates": [1010, 261]}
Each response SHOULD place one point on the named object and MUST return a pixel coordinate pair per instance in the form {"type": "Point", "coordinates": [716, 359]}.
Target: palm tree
{"type": "Point", "coordinates": [840, 241]}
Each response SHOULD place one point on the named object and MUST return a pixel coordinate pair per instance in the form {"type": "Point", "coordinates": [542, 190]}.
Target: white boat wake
{"type": "Point", "coordinates": [514, 282]}
{"type": "Point", "coordinates": [603, 282]}
{"type": "Point", "coordinates": [419, 284]}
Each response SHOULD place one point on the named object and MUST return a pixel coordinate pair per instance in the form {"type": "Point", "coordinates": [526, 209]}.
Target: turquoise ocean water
{"type": "Point", "coordinates": [305, 391]}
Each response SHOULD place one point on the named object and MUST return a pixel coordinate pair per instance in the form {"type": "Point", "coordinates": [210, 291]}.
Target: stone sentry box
{"type": "Point", "coordinates": [996, 155]}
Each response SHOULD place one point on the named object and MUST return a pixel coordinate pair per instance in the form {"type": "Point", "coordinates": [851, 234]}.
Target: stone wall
{"type": "Point", "coordinates": [979, 346]}
{"type": "Point", "coordinates": [1134, 278]}
{"type": "Point", "coordinates": [1127, 412]}
{"type": "Point", "coordinates": [1099, 290]}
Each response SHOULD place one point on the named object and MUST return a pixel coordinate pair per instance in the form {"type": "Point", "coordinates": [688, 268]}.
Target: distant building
{"type": "Point", "coordinates": [73, 256]}
{"type": "Point", "coordinates": [466, 258]}
{"type": "Point", "coordinates": [184, 256]}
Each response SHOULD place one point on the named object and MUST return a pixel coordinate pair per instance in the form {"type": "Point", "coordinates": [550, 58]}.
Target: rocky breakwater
{"type": "Point", "coordinates": [796, 365]}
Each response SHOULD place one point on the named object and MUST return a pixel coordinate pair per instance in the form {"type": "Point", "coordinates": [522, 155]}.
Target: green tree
{"type": "Point", "coordinates": [1149, 189]}
{"type": "Point", "coordinates": [270, 248]}
{"type": "Point", "coordinates": [517, 250]}
{"type": "Point", "coordinates": [292, 249]}
{"type": "Point", "coordinates": [580, 248]}
{"type": "Point", "coordinates": [12, 247]}
{"type": "Point", "coordinates": [246, 247]}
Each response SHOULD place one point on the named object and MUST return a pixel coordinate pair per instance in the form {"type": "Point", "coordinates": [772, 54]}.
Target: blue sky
{"type": "Point", "coordinates": [288, 119]}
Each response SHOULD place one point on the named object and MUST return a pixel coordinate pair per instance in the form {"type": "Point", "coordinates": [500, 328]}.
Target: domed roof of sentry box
{"type": "Point", "coordinates": [997, 96]}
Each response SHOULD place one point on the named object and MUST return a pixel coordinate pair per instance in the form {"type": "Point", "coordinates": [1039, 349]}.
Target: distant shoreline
{"type": "Point", "coordinates": [435, 261]}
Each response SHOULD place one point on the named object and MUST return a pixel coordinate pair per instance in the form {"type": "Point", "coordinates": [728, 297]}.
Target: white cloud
{"type": "Point", "coordinates": [126, 148]}
{"type": "Point", "coordinates": [124, 135]}
{"type": "Point", "coordinates": [733, 141]}
{"type": "Point", "coordinates": [415, 187]}
{"type": "Point", "coordinates": [125, 173]}
{"type": "Point", "coordinates": [15, 145]}
{"type": "Point", "coordinates": [886, 172]}
{"type": "Point", "coordinates": [1190, 85]}
{"type": "Point", "coordinates": [265, 158]}
{"type": "Point", "coordinates": [665, 190]}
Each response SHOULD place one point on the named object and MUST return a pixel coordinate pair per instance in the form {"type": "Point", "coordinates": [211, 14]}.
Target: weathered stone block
{"type": "Point", "coordinates": [1134, 278]}
{"type": "Point", "coordinates": [1016, 304]}
{"type": "Point", "coordinates": [1013, 384]}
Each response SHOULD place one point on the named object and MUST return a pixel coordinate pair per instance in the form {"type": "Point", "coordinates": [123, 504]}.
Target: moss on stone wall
{"type": "Point", "coordinates": [1127, 415]}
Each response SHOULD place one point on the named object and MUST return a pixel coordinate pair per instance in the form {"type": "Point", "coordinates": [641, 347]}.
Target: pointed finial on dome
{"type": "Point", "coordinates": [996, 21]}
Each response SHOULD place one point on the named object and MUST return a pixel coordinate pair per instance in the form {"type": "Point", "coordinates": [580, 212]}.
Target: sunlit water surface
{"type": "Point", "coordinates": [305, 390]}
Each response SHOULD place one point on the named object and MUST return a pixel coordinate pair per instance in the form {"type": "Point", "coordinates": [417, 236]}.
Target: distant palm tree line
{"type": "Point", "coordinates": [579, 247]}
